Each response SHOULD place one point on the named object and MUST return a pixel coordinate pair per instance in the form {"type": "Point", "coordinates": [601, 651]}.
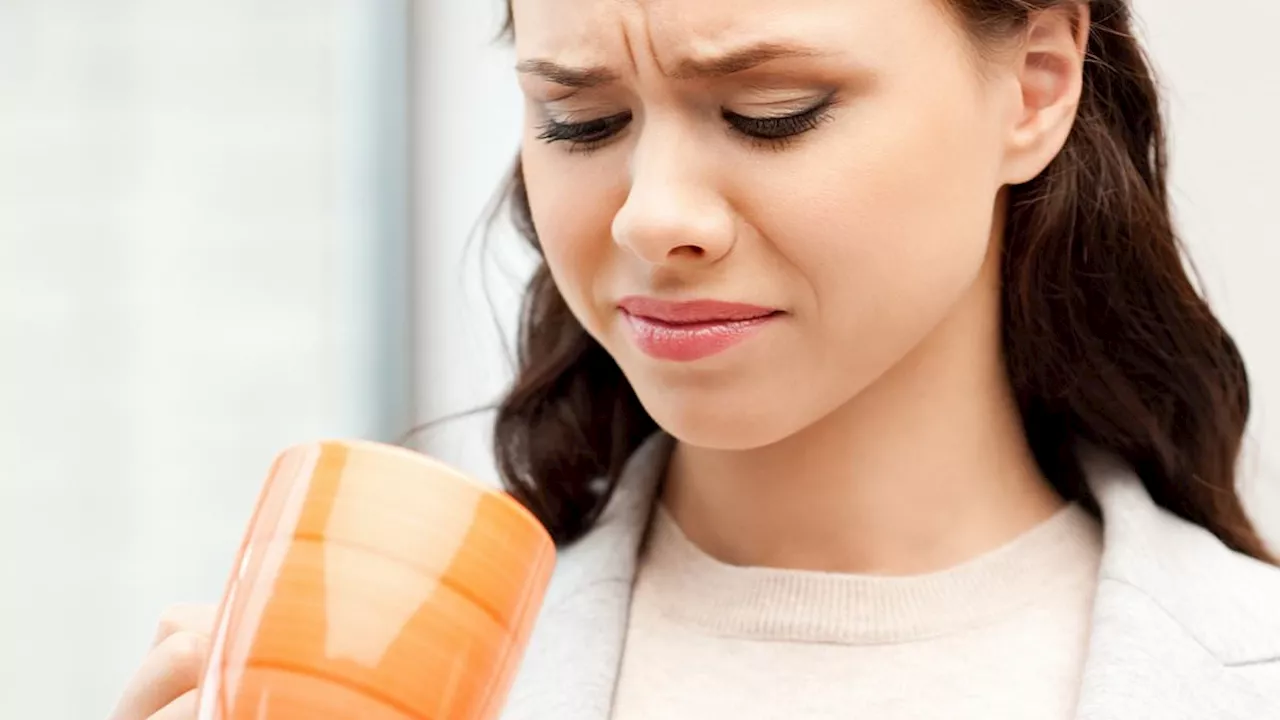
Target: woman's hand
{"type": "Point", "coordinates": [164, 687]}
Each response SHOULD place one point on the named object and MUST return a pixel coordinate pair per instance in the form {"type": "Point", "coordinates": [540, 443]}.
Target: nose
{"type": "Point", "coordinates": [673, 214]}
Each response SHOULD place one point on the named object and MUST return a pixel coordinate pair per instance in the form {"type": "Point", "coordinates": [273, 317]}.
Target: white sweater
{"type": "Point", "coordinates": [1001, 636]}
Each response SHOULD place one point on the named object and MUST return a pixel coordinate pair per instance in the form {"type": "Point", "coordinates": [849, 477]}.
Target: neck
{"type": "Point", "coordinates": [925, 469]}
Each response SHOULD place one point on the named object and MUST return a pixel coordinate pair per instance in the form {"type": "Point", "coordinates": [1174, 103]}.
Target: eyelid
{"type": "Point", "coordinates": [779, 131]}
{"type": "Point", "coordinates": [588, 131]}
{"type": "Point", "coordinates": [784, 108]}
{"type": "Point", "coordinates": [576, 114]}
{"type": "Point", "coordinates": [586, 135]}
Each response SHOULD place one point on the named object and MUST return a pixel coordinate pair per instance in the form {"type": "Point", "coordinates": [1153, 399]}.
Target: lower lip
{"type": "Point", "coordinates": [694, 341]}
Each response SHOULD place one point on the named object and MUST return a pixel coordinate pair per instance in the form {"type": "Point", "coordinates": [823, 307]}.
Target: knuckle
{"type": "Point", "coordinates": [171, 620]}
{"type": "Point", "coordinates": [183, 618]}
{"type": "Point", "coordinates": [184, 653]}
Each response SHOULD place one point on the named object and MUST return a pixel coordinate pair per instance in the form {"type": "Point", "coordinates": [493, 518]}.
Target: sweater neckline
{"type": "Point", "coordinates": [696, 590]}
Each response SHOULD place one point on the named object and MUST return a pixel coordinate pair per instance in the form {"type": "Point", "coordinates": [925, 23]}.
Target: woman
{"type": "Point", "coordinates": [862, 376]}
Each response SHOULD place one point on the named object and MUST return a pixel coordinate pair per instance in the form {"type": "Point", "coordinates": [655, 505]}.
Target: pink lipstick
{"type": "Point", "coordinates": [688, 331]}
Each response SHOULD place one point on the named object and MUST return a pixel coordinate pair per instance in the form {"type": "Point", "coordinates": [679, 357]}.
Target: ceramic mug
{"type": "Point", "coordinates": [375, 583]}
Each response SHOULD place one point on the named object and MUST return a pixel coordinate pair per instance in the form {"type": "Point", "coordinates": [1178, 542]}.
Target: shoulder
{"type": "Point", "coordinates": [1227, 601]}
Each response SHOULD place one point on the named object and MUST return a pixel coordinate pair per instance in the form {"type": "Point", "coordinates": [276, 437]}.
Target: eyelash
{"type": "Point", "coordinates": [768, 132]}
{"type": "Point", "coordinates": [584, 136]}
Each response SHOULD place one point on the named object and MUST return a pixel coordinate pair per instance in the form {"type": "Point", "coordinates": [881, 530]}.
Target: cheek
{"type": "Point", "coordinates": [895, 218]}
{"type": "Point", "coordinates": [573, 204]}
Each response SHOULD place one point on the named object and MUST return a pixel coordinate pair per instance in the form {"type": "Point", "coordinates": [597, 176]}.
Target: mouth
{"type": "Point", "coordinates": [688, 331]}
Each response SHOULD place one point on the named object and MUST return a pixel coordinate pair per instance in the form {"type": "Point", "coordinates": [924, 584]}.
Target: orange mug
{"type": "Point", "coordinates": [375, 583]}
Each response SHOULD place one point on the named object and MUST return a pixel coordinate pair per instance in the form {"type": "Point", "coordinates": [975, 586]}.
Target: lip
{"type": "Point", "coordinates": [692, 330]}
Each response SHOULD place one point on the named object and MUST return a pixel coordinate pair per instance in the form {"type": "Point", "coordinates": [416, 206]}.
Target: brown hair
{"type": "Point", "coordinates": [1106, 339]}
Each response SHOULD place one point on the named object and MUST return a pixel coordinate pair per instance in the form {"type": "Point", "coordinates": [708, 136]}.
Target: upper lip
{"type": "Point", "coordinates": [691, 312]}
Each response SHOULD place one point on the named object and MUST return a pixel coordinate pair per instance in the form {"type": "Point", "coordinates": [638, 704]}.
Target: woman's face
{"type": "Point", "coordinates": [832, 164]}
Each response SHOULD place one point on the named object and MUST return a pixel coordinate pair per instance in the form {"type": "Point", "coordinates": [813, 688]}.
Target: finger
{"type": "Point", "coordinates": [185, 618]}
{"type": "Point", "coordinates": [170, 670]}
{"type": "Point", "coordinates": [183, 708]}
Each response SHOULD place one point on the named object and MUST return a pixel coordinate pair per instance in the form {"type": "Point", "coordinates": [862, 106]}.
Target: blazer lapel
{"type": "Point", "coordinates": [571, 665]}
{"type": "Point", "coordinates": [1183, 628]}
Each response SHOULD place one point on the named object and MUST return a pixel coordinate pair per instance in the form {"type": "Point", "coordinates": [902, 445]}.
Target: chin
{"type": "Point", "coordinates": [714, 425]}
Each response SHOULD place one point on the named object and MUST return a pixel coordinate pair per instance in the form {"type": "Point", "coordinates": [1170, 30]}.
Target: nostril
{"type": "Point", "coordinates": [692, 251]}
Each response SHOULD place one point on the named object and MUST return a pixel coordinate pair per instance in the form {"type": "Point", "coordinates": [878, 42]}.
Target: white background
{"type": "Point", "coordinates": [198, 253]}
{"type": "Point", "coordinates": [197, 268]}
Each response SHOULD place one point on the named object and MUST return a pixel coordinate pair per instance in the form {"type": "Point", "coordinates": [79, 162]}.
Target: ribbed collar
{"type": "Point", "coordinates": [692, 588]}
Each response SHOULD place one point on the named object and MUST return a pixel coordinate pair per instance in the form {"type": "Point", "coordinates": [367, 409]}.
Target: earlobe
{"type": "Point", "coordinates": [1050, 67]}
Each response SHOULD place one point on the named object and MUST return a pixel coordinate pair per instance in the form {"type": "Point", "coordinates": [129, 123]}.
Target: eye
{"type": "Point", "coordinates": [777, 129]}
{"type": "Point", "coordinates": [586, 135]}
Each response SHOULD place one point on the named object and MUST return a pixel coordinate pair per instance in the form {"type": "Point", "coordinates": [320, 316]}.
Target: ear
{"type": "Point", "coordinates": [1049, 70]}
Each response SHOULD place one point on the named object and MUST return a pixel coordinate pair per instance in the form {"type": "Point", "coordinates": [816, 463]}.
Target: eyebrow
{"type": "Point", "coordinates": [574, 77]}
{"type": "Point", "coordinates": [729, 63]}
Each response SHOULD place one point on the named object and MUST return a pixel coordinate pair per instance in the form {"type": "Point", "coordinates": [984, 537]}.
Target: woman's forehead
{"type": "Point", "coordinates": [674, 33]}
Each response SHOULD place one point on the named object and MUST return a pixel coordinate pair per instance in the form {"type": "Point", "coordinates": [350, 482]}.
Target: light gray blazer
{"type": "Point", "coordinates": [1183, 627]}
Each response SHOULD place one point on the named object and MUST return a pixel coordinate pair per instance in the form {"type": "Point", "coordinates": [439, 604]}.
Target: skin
{"type": "Point", "coordinates": [869, 428]}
